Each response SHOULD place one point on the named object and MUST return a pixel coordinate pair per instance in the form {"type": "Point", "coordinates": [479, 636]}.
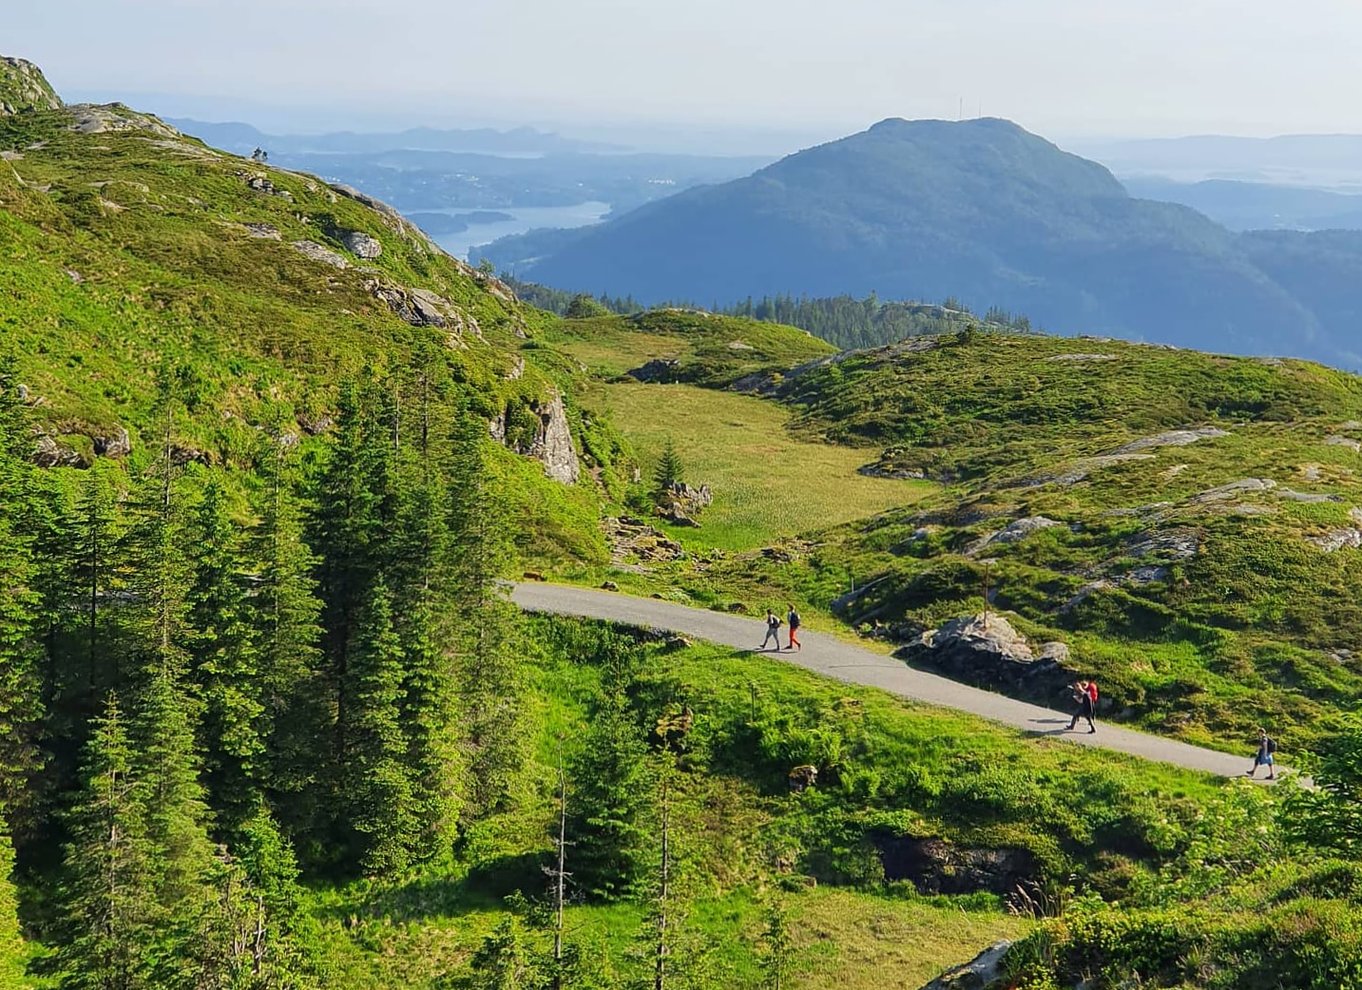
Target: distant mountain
{"type": "Point", "coordinates": [980, 210]}
{"type": "Point", "coordinates": [242, 139]}
{"type": "Point", "coordinates": [1256, 205]}
{"type": "Point", "coordinates": [1299, 159]}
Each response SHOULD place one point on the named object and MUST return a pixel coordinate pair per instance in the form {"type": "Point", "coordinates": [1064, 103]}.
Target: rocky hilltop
{"type": "Point", "coordinates": [23, 88]}
{"type": "Point", "coordinates": [138, 245]}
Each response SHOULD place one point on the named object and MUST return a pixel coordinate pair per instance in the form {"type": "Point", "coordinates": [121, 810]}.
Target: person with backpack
{"type": "Point", "coordinates": [1267, 749]}
{"type": "Point", "coordinates": [772, 630]}
{"type": "Point", "coordinates": [1085, 700]}
{"type": "Point", "coordinates": [793, 620]}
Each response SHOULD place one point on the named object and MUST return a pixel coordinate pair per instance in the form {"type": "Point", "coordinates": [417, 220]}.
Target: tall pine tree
{"type": "Point", "coordinates": [107, 939]}
{"type": "Point", "coordinates": [349, 530]}
{"type": "Point", "coordinates": [611, 782]}
{"type": "Point", "coordinates": [21, 708]}
{"type": "Point", "coordinates": [167, 770]}
{"type": "Point", "coordinates": [288, 637]}
{"type": "Point", "coordinates": [486, 622]}
{"type": "Point", "coordinates": [224, 663]}
{"type": "Point", "coordinates": [377, 788]}
{"type": "Point", "coordinates": [422, 582]}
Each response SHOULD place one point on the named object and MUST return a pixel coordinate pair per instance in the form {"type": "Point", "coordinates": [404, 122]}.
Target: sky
{"type": "Point", "coordinates": [792, 68]}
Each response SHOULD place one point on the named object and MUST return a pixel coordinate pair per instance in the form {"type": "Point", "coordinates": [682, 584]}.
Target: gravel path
{"type": "Point", "coordinates": [832, 657]}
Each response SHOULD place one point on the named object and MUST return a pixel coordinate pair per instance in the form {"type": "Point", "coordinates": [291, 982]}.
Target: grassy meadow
{"type": "Point", "coordinates": [768, 484]}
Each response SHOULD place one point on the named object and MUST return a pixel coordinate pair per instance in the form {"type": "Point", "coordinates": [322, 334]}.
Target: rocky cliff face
{"type": "Point", "coordinates": [550, 441]}
{"type": "Point", "coordinates": [23, 87]}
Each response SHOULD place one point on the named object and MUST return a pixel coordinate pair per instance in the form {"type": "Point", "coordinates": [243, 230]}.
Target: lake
{"type": "Point", "coordinates": [524, 218]}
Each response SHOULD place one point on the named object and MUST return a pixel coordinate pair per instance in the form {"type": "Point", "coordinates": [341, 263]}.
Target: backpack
{"type": "Point", "coordinates": [1092, 691]}
{"type": "Point", "coordinates": [1271, 745]}
{"type": "Point", "coordinates": [794, 619]}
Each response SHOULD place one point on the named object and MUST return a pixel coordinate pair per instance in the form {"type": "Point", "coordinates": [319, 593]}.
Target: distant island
{"type": "Point", "coordinates": [456, 223]}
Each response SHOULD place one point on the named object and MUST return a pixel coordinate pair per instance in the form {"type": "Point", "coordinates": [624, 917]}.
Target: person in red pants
{"type": "Point", "coordinates": [793, 620]}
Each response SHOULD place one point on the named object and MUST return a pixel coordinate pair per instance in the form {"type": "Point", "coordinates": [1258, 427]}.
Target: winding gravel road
{"type": "Point", "coordinates": [843, 661]}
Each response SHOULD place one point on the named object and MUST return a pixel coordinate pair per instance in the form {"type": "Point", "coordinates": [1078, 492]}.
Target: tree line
{"type": "Point", "coordinates": [845, 321]}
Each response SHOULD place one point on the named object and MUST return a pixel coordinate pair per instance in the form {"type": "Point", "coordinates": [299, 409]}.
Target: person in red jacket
{"type": "Point", "coordinates": [1085, 700]}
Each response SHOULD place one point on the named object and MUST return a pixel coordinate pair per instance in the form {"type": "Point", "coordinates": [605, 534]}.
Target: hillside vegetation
{"type": "Point", "coordinates": [1187, 522]}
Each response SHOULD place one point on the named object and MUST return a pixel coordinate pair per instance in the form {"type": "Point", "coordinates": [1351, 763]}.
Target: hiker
{"type": "Point", "coordinates": [1267, 748]}
{"type": "Point", "coordinates": [794, 629]}
{"type": "Point", "coordinates": [1084, 698]}
{"type": "Point", "coordinates": [772, 630]}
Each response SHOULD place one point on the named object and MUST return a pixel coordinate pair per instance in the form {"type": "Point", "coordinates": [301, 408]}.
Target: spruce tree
{"type": "Point", "coordinates": [286, 612]}
{"type": "Point", "coordinates": [486, 622]}
{"type": "Point", "coordinates": [181, 855]}
{"type": "Point", "coordinates": [12, 952]}
{"type": "Point", "coordinates": [89, 550]}
{"type": "Point", "coordinates": [377, 787]}
{"type": "Point", "coordinates": [353, 506]}
{"type": "Point", "coordinates": [607, 818]}
{"type": "Point", "coordinates": [224, 663]}
{"type": "Point", "coordinates": [21, 708]}
{"type": "Point", "coordinates": [669, 469]}
{"type": "Point", "coordinates": [107, 886]}
{"type": "Point", "coordinates": [153, 550]}
{"type": "Point", "coordinates": [422, 582]}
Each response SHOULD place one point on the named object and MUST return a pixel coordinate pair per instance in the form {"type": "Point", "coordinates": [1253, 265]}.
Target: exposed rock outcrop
{"type": "Point", "coordinates": [935, 866]}
{"type": "Point", "coordinates": [680, 503]}
{"type": "Point", "coordinates": [657, 371]}
{"type": "Point", "coordinates": [423, 308]}
{"type": "Point", "coordinates": [323, 255]}
{"type": "Point", "coordinates": [116, 444]}
{"type": "Point", "coordinates": [361, 245]}
{"type": "Point", "coordinates": [49, 452]}
{"type": "Point", "coordinates": [23, 88]}
{"type": "Point", "coordinates": [980, 973]}
{"type": "Point", "coordinates": [986, 650]}
{"type": "Point", "coordinates": [550, 442]}
{"type": "Point", "coordinates": [634, 545]}
{"type": "Point", "coordinates": [1013, 532]}
{"type": "Point", "coordinates": [103, 118]}
{"type": "Point", "coordinates": [1172, 438]}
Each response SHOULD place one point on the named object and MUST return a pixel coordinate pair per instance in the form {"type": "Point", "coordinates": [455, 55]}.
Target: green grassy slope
{"type": "Point", "coordinates": [1204, 577]}
{"type": "Point", "coordinates": [889, 770]}
{"type": "Point", "coordinates": [128, 250]}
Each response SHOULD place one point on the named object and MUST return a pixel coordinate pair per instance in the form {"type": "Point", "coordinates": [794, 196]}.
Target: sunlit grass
{"type": "Point", "coordinates": [767, 484]}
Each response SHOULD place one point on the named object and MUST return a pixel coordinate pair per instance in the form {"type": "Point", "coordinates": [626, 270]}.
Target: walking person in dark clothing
{"type": "Point", "coordinates": [772, 630]}
{"type": "Point", "coordinates": [793, 619]}
{"type": "Point", "coordinates": [1266, 756]}
{"type": "Point", "coordinates": [1085, 707]}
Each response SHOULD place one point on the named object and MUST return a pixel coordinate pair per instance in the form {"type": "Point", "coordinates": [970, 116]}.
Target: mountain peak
{"type": "Point", "coordinates": [23, 88]}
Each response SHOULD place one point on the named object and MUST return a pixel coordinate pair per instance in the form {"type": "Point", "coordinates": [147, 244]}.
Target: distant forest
{"type": "Point", "coordinates": [845, 321]}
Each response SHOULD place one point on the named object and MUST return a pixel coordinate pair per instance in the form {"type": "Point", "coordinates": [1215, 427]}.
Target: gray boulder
{"type": "Point", "coordinates": [987, 651]}
{"type": "Point", "coordinates": [980, 973]}
{"type": "Point", "coordinates": [323, 255]}
{"type": "Point", "coordinates": [117, 444]}
{"type": "Point", "coordinates": [681, 503]}
{"type": "Point", "coordinates": [49, 452]}
{"type": "Point", "coordinates": [361, 245]}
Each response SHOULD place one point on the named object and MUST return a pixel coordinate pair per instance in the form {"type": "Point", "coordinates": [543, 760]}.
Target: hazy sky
{"type": "Point", "coordinates": [1061, 67]}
